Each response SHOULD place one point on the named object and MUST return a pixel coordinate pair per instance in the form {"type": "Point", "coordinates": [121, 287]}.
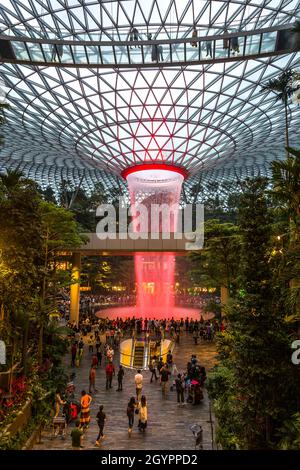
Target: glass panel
{"type": "Point", "coordinates": [222, 48]}
{"type": "Point", "coordinates": [107, 55]}
{"type": "Point", "coordinates": [136, 54]}
{"type": "Point", "coordinates": [167, 52]}
{"type": "Point", "coordinates": [236, 45]}
{"type": "Point", "coordinates": [147, 54]}
{"type": "Point", "coordinates": [207, 49]}
{"type": "Point", "coordinates": [252, 44]}
{"type": "Point", "coordinates": [20, 50]}
{"type": "Point", "coordinates": [178, 52]}
{"type": "Point", "coordinates": [192, 51]}
{"type": "Point", "coordinates": [79, 54]}
{"type": "Point", "coordinates": [268, 42]}
{"type": "Point", "coordinates": [121, 54]}
{"type": "Point", "coordinates": [61, 52]}
{"type": "Point", "coordinates": [93, 54]}
{"type": "Point", "coordinates": [155, 53]}
{"type": "Point", "coordinates": [35, 52]}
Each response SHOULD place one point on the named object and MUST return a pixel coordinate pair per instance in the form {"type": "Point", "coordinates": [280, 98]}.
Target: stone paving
{"type": "Point", "coordinates": [168, 423]}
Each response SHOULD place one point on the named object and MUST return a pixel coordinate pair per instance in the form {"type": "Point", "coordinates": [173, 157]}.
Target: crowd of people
{"type": "Point", "coordinates": [99, 338]}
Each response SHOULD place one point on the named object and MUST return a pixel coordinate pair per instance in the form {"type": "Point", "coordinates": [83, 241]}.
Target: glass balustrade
{"type": "Point", "coordinates": [143, 53]}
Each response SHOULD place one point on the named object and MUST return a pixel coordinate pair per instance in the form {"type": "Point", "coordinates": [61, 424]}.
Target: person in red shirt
{"type": "Point", "coordinates": [92, 379]}
{"type": "Point", "coordinates": [110, 371]}
{"type": "Point", "coordinates": [95, 361]}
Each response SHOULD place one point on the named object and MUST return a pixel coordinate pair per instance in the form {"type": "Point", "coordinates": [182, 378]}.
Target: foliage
{"type": "Point", "coordinates": [281, 86]}
{"type": "Point", "coordinates": [286, 183]}
{"type": "Point", "coordinates": [290, 432]}
{"type": "Point", "coordinates": [217, 263]}
{"type": "Point", "coordinates": [254, 387]}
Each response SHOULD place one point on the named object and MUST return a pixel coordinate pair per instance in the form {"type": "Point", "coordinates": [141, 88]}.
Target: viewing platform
{"type": "Point", "coordinates": [125, 53]}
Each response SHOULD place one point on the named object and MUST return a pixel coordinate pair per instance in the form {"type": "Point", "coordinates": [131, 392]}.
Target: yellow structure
{"type": "Point", "coordinates": [137, 354]}
{"type": "Point", "coordinates": [75, 288]}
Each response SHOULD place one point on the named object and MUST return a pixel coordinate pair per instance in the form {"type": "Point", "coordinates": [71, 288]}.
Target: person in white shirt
{"type": "Point", "coordinates": [138, 379]}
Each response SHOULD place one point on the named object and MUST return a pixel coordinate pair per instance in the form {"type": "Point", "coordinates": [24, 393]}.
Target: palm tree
{"type": "Point", "coordinates": [286, 190]}
{"type": "Point", "coordinates": [2, 118]}
{"type": "Point", "coordinates": [296, 28]}
{"type": "Point", "coordinates": [286, 183]}
{"type": "Point", "coordinates": [283, 89]}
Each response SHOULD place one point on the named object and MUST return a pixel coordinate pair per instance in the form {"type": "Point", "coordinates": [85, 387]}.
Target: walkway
{"type": "Point", "coordinates": [240, 45]}
{"type": "Point", "coordinates": [168, 424]}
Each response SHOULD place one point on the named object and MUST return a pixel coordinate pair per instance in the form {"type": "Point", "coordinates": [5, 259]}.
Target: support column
{"type": "Point", "coordinates": [75, 288]}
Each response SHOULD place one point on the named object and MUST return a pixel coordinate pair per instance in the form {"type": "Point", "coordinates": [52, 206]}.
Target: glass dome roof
{"type": "Point", "coordinates": [211, 119]}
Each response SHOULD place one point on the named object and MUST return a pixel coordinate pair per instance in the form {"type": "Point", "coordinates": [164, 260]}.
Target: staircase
{"type": "Point", "coordinates": [138, 358]}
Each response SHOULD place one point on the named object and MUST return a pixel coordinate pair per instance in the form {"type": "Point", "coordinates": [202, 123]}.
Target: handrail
{"type": "Point", "coordinates": [146, 42]}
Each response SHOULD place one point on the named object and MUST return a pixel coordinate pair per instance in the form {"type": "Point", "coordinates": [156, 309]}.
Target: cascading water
{"type": "Point", "coordinates": [155, 271]}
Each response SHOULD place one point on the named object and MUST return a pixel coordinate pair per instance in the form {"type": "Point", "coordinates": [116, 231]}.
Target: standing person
{"type": "Point", "coordinates": [169, 358]}
{"type": "Point", "coordinates": [164, 379]}
{"type": "Point", "coordinates": [130, 414]}
{"type": "Point", "coordinates": [73, 354]}
{"type": "Point", "coordinates": [120, 379]}
{"type": "Point", "coordinates": [143, 414]}
{"type": "Point", "coordinates": [110, 354]}
{"type": "Point", "coordinates": [101, 418]}
{"type": "Point", "coordinates": [194, 35]}
{"type": "Point", "coordinates": [99, 352]}
{"type": "Point", "coordinates": [180, 390]}
{"type": "Point", "coordinates": [195, 335]}
{"type": "Point", "coordinates": [160, 364]}
{"type": "Point", "coordinates": [110, 371]}
{"type": "Point", "coordinates": [85, 402]}
{"type": "Point", "coordinates": [92, 379]}
{"type": "Point", "coordinates": [80, 348]}
{"type": "Point", "coordinates": [91, 344]}
{"type": "Point", "coordinates": [58, 403]}
{"type": "Point", "coordinates": [95, 361]}
{"type": "Point", "coordinates": [208, 49]}
{"type": "Point", "coordinates": [152, 369]}
{"type": "Point", "coordinates": [138, 379]}
{"type": "Point", "coordinates": [134, 35]}
{"type": "Point", "coordinates": [76, 436]}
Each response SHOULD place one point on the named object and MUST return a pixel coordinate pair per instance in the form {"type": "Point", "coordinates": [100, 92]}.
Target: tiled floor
{"type": "Point", "coordinates": [168, 424]}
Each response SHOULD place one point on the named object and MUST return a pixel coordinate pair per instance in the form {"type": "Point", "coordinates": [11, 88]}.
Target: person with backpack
{"type": "Point", "coordinates": [180, 390]}
{"type": "Point", "coordinates": [120, 379]}
{"type": "Point", "coordinates": [110, 371]}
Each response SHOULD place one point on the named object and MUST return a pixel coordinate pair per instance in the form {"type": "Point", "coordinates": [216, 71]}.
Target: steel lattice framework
{"type": "Point", "coordinates": [91, 123]}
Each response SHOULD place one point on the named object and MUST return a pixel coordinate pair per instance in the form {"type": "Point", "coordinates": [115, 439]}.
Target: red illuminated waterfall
{"type": "Point", "coordinates": [154, 185]}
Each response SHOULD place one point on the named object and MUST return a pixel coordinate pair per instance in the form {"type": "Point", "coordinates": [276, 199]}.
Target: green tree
{"type": "Point", "coordinates": [60, 232]}
{"type": "Point", "coordinates": [20, 246]}
{"type": "Point", "coordinates": [286, 194]}
{"type": "Point", "coordinates": [286, 184]}
{"type": "Point", "coordinates": [282, 87]}
{"type": "Point", "coordinates": [254, 386]}
{"type": "Point", "coordinates": [216, 265]}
